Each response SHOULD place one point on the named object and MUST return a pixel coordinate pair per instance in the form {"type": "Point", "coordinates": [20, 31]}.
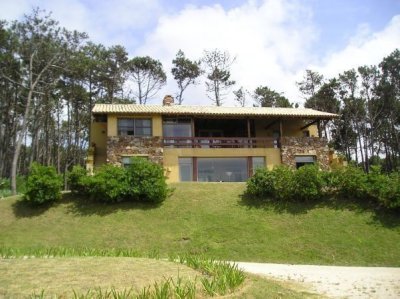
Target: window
{"type": "Point", "coordinates": [177, 127]}
{"type": "Point", "coordinates": [134, 127]}
{"type": "Point", "coordinates": [306, 133]}
{"type": "Point", "coordinates": [257, 162]}
{"type": "Point", "coordinates": [222, 169]}
{"type": "Point", "coordinates": [186, 169]}
{"type": "Point", "coordinates": [304, 160]}
{"type": "Point", "coordinates": [100, 118]}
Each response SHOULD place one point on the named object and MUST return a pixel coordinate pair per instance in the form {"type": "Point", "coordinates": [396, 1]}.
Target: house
{"type": "Point", "coordinates": [199, 143]}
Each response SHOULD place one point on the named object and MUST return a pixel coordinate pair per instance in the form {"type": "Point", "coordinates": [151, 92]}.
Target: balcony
{"type": "Point", "coordinates": [220, 142]}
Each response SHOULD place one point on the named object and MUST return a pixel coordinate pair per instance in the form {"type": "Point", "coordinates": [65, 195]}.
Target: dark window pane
{"type": "Point", "coordinates": [222, 169]}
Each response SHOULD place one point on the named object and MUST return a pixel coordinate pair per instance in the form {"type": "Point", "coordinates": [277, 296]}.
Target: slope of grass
{"type": "Point", "coordinates": [211, 219]}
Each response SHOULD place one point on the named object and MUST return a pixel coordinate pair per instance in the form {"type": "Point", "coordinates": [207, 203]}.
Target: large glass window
{"type": "Point", "coordinates": [186, 169]}
{"type": "Point", "coordinates": [134, 127]}
{"type": "Point", "coordinates": [222, 169]}
{"type": "Point", "coordinates": [177, 127]}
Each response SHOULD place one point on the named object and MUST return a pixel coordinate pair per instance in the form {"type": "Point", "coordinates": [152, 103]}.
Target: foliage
{"type": "Point", "coordinates": [108, 184]}
{"type": "Point", "coordinates": [146, 181]}
{"type": "Point", "coordinates": [261, 184]}
{"type": "Point", "coordinates": [185, 72]}
{"type": "Point", "coordinates": [217, 66]}
{"type": "Point", "coordinates": [43, 185]}
{"type": "Point", "coordinates": [276, 183]}
{"type": "Point", "coordinates": [267, 97]}
{"type": "Point", "coordinates": [240, 96]}
{"type": "Point", "coordinates": [77, 180]}
{"type": "Point", "coordinates": [142, 180]}
{"type": "Point", "coordinates": [350, 182]}
{"type": "Point", "coordinates": [149, 76]}
{"type": "Point", "coordinates": [308, 183]}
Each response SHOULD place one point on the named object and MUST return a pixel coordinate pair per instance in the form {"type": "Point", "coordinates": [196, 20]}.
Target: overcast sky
{"type": "Point", "coordinates": [274, 41]}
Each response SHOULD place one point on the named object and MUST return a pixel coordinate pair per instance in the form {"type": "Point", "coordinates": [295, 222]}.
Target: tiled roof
{"type": "Point", "coordinates": [210, 111]}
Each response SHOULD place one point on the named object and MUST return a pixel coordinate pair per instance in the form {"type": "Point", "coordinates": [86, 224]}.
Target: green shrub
{"type": "Point", "coordinates": [43, 185]}
{"type": "Point", "coordinates": [283, 182]}
{"type": "Point", "coordinates": [391, 198]}
{"type": "Point", "coordinates": [384, 189]}
{"type": "Point", "coordinates": [108, 184]}
{"type": "Point", "coordinates": [351, 182]}
{"type": "Point", "coordinates": [307, 183]}
{"type": "Point", "coordinates": [146, 181]}
{"type": "Point", "coordinates": [78, 180]}
{"type": "Point", "coordinates": [261, 184]}
{"type": "Point", "coordinates": [276, 183]}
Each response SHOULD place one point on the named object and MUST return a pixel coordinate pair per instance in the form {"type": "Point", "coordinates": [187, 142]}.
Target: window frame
{"type": "Point", "coordinates": [135, 127]}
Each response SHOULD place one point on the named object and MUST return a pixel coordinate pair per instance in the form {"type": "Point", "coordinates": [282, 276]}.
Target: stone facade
{"type": "Point", "coordinates": [120, 146]}
{"type": "Point", "coordinates": [300, 146]}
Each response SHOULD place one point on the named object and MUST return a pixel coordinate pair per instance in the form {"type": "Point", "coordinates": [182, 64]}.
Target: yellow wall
{"type": "Point", "coordinates": [113, 123]}
{"type": "Point", "coordinates": [99, 138]}
{"type": "Point", "coordinates": [171, 155]}
{"type": "Point", "coordinates": [290, 128]}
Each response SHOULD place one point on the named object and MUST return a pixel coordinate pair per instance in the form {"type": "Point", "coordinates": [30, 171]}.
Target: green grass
{"type": "Point", "coordinates": [105, 277]}
{"type": "Point", "coordinates": [210, 219]}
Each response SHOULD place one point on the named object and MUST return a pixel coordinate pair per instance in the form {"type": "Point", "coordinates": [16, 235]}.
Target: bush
{"type": "Point", "coordinates": [276, 183]}
{"type": "Point", "coordinates": [351, 182]}
{"type": "Point", "coordinates": [108, 184]}
{"type": "Point", "coordinates": [141, 181]}
{"type": "Point", "coordinates": [146, 181]}
{"type": "Point", "coordinates": [384, 189]}
{"type": "Point", "coordinates": [307, 183]}
{"type": "Point", "coordinates": [43, 185]}
{"type": "Point", "coordinates": [283, 182]}
{"type": "Point", "coordinates": [261, 184]}
{"type": "Point", "coordinates": [78, 180]}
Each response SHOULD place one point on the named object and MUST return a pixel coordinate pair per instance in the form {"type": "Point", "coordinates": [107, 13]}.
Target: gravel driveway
{"type": "Point", "coordinates": [334, 281]}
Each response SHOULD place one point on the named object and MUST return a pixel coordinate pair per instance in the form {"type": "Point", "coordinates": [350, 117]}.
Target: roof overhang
{"type": "Point", "coordinates": [211, 111]}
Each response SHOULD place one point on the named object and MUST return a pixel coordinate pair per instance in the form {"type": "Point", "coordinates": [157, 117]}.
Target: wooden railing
{"type": "Point", "coordinates": [220, 142]}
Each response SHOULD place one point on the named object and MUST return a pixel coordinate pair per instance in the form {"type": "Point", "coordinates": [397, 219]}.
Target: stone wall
{"type": "Point", "coordinates": [298, 146]}
{"type": "Point", "coordinates": [119, 146]}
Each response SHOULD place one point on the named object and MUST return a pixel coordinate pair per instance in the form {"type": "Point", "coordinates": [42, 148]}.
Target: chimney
{"type": "Point", "coordinates": [168, 100]}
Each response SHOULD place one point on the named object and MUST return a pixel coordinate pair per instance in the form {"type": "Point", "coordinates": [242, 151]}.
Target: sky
{"type": "Point", "coordinates": [274, 41]}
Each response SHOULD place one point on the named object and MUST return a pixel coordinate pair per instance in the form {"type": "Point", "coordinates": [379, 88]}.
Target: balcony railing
{"type": "Point", "coordinates": [220, 142]}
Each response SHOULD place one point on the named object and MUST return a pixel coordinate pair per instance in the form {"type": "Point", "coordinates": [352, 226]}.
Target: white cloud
{"type": "Point", "coordinates": [365, 48]}
{"type": "Point", "coordinates": [271, 41]}
{"type": "Point", "coordinates": [108, 22]}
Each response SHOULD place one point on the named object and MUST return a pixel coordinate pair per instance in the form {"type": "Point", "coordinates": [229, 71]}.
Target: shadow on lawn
{"type": "Point", "coordinates": [385, 217]}
{"type": "Point", "coordinates": [23, 209]}
{"type": "Point", "coordinates": [81, 206]}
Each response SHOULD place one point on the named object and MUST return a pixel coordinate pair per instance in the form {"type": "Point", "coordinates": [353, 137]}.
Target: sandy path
{"type": "Point", "coordinates": [333, 281]}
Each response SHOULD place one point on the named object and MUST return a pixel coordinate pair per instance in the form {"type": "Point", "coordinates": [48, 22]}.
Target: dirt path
{"type": "Point", "coordinates": [333, 281]}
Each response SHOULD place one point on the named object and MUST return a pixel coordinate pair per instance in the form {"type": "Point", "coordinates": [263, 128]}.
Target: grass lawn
{"type": "Point", "coordinates": [211, 219]}
{"type": "Point", "coordinates": [61, 277]}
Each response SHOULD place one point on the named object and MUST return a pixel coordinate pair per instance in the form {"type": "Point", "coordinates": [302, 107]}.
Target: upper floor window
{"type": "Point", "coordinates": [134, 126]}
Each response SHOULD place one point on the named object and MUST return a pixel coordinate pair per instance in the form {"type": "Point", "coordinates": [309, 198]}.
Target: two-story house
{"type": "Point", "coordinates": [203, 143]}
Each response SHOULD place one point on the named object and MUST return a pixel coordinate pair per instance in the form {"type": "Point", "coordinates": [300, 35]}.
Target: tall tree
{"type": "Point", "coordinates": [217, 66]}
{"type": "Point", "coordinates": [185, 72]}
{"type": "Point", "coordinates": [41, 48]}
{"type": "Point", "coordinates": [266, 97]}
{"type": "Point", "coordinates": [241, 96]}
{"type": "Point", "coordinates": [311, 83]}
{"type": "Point", "coordinates": [148, 75]}
{"type": "Point", "coordinates": [325, 99]}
